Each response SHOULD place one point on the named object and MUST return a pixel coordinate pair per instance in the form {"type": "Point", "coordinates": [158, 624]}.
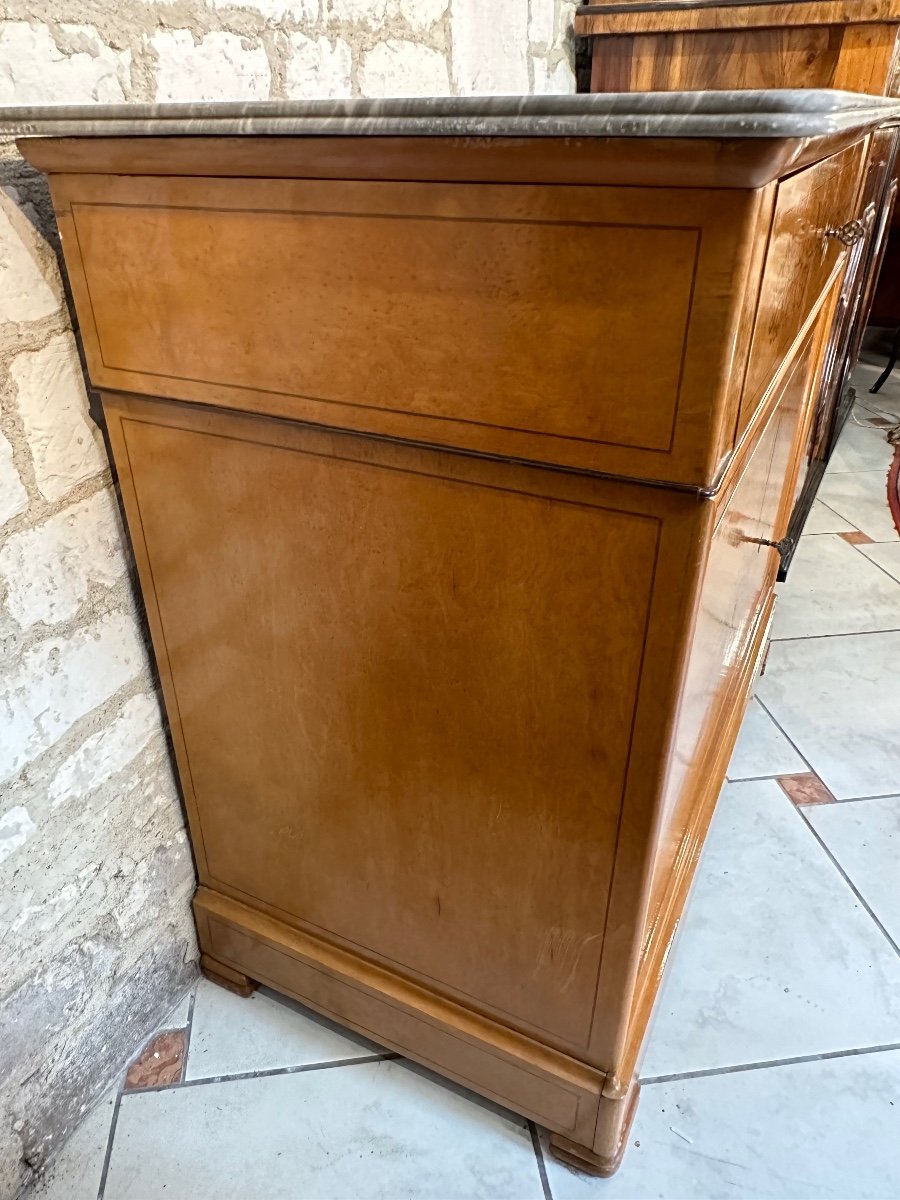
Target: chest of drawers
{"type": "Point", "coordinates": [452, 460]}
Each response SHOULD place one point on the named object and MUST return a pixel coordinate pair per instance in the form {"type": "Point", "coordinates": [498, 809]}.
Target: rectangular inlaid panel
{"type": "Point", "coordinates": [435, 314]}
{"type": "Point", "coordinates": [406, 699]}
{"type": "Point", "coordinates": [587, 326]}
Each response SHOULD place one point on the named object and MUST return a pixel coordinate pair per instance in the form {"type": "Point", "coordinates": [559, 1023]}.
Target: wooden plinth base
{"type": "Point", "coordinates": [227, 977]}
{"type": "Point", "coordinates": [613, 1128]}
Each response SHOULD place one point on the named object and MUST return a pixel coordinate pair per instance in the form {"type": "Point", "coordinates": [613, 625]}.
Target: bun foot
{"type": "Point", "coordinates": [227, 977]}
{"type": "Point", "coordinates": [613, 1127]}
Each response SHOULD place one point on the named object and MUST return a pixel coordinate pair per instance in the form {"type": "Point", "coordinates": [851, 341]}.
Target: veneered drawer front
{"type": "Point", "coordinates": [583, 326]}
{"type": "Point", "coordinates": [800, 259]}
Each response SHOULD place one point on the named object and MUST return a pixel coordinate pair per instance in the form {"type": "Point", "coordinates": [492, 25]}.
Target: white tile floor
{"type": "Point", "coordinates": [773, 1066]}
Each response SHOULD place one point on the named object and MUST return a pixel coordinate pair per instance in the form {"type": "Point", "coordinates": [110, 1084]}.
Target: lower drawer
{"type": "Point", "coordinates": [735, 602]}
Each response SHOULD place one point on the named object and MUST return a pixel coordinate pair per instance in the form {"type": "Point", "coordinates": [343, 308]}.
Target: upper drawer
{"type": "Point", "coordinates": [803, 251]}
{"type": "Point", "coordinates": [582, 326]}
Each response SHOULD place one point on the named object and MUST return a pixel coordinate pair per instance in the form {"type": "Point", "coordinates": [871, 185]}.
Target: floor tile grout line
{"type": "Point", "coordinates": [859, 548]}
{"type": "Point", "coordinates": [871, 405]}
{"type": "Point", "coordinates": [784, 733]}
{"type": "Point", "coordinates": [101, 1188]}
{"type": "Point", "coordinates": [762, 778]}
{"type": "Point", "coordinates": [805, 803]}
{"type": "Point", "coordinates": [850, 884]}
{"type": "Point", "coordinates": [834, 511]}
{"type": "Point", "coordinates": [851, 416]}
{"type": "Point", "coordinates": [539, 1156]}
{"type": "Point", "coordinates": [239, 1076]}
{"type": "Point", "coordinates": [188, 1031]}
{"type": "Point", "coordinates": [120, 1091]}
{"type": "Point", "coordinates": [798, 1060]}
{"type": "Point", "coordinates": [818, 637]}
{"type": "Point", "coordinates": [856, 799]}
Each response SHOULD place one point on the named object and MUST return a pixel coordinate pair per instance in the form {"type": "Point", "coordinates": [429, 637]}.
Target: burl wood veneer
{"type": "Point", "coordinates": [453, 506]}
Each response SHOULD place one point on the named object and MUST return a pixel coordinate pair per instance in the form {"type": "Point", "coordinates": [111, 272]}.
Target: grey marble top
{"type": "Point", "coordinates": [729, 114]}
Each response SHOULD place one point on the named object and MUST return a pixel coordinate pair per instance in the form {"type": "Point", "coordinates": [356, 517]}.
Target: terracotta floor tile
{"type": "Point", "coordinates": [161, 1063]}
{"type": "Point", "coordinates": [807, 788]}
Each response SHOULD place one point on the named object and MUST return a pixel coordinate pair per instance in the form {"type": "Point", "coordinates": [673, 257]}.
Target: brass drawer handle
{"type": "Point", "coordinates": [848, 233]}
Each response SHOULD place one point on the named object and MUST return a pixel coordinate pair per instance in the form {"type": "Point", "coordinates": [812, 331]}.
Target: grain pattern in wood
{"type": "Point", "coordinates": [512, 1069]}
{"type": "Point", "coordinates": [639, 162]}
{"type": "Point", "coordinates": [435, 596]}
{"type": "Point", "coordinates": [645, 17]}
{"type": "Point", "coordinates": [817, 56]}
{"type": "Point", "coordinates": [880, 191]}
{"type": "Point", "coordinates": [335, 322]}
{"type": "Point", "coordinates": [450, 726]}
{"type": "Point", "coordinates": [733, 611]}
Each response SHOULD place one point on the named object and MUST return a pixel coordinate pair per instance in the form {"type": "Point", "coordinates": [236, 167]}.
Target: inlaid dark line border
{"type": "Point", "coordinates": [407, 412]}
{"type": "Point", "coordinates": [291, 919]}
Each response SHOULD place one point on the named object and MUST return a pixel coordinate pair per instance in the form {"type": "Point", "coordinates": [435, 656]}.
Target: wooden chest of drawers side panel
{"type": "Point", "coordinates": [381, 662]}
{"type": "Point", "coordinates": [585, 327]}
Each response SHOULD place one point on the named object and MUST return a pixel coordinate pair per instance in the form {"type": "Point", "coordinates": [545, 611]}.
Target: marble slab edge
{"type": "Point", "coordinates": [787, 113]}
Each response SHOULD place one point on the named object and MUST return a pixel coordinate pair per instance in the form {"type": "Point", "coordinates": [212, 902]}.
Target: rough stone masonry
{"type": "Point", "coordinates": [96, 939]}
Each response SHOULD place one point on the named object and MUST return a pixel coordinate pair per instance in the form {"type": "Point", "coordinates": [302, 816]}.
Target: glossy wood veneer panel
{"type": "Point", "coordinates": [733, 611]}
{"type": "Point", "coordinates": [439, 313]}
{"type": "Point", "coordinates": [636, 162]}
{"type": "Point", "coordinates": [666, 912]}
{"type": "Point", "coordinates": [878, 190]}
{"type": "Point", "coordinates": [376, 683]}
{"type": "Point", "coordinates": [738, 572]}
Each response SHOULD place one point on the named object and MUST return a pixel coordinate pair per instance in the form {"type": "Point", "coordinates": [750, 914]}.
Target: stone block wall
{"type": "Point", "coordinates": [96, 938]}
{"type": "Point", "coordinates": [95, 870]}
